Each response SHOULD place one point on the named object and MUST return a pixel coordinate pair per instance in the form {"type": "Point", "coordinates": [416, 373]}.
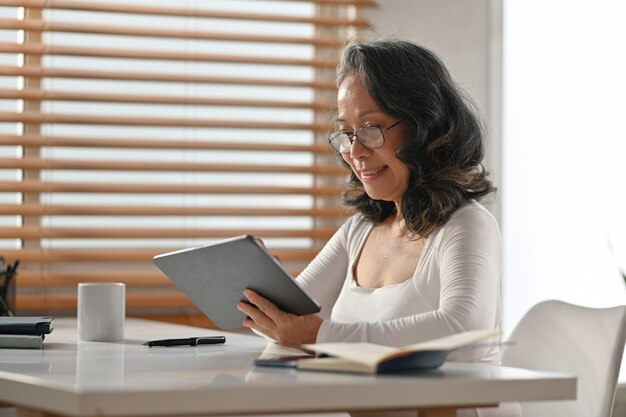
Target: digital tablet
{"type": "Point", "coordinates": [214, 277]}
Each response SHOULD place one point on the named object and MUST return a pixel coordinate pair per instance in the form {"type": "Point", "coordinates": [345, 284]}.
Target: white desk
{"type": "Point", "coordinates": [89, 379]}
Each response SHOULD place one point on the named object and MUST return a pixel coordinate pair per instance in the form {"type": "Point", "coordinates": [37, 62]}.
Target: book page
{"type": "Point", "coordinates": [453, 341]}
{"type": "Point", "coordinates": [366, 353]}
{"type": "Point", "coordinates": [275, 351]}
{"type": "Point", "coordinates": [335, 365]}
{"type": "Point", "coordinates": [372, 354]}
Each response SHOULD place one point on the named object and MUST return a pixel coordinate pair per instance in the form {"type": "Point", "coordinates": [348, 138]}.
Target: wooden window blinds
{"type": "Point", "coordinates": [128, 130]}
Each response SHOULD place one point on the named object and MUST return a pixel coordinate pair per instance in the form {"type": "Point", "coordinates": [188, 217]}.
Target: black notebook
{"type": "Point", "coordinates": [26, 325]}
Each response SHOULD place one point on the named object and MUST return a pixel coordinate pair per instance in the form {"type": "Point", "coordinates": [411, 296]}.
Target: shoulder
{"type": "Point", "coordinates": [472, 213]}
{"type": "Point", "coordinates": [471, 218]}
{"type": "Point", "coordinates": [471, 231]}
{"type": "Point", "coordinates": [355, 223]}
{"type": "Point", "coordinates": [353, 232]}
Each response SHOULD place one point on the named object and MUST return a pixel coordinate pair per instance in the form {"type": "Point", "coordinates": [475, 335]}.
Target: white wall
{"type": "Point", "coordinates": [564, 151]}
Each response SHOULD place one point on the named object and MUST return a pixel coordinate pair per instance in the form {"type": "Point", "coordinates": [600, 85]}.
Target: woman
{"type": "Point", "coordinates": [421, 258]}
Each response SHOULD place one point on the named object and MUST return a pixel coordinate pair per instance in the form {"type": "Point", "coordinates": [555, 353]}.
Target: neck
{"type": "Point", "coordinates": [397, 224]}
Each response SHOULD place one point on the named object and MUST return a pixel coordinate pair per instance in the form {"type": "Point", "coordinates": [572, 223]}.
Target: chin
{"type": "Point", "coordinates": [377, 196]}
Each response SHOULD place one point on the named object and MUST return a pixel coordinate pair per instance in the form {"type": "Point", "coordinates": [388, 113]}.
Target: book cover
{"type": "Point", "coordinates": [21, 341]}
{"type": "Point", "coordinates": [26, 325]}
{"type": "Point", "coordinates": [378, 359]}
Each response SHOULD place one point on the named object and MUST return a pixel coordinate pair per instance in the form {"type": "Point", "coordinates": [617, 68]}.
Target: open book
{"type": "Point", "coordinates": [373, 358]}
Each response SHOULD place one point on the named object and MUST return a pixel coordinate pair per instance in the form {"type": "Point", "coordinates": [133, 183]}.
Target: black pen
{"type": "Point", "coordinates": [188, 341]}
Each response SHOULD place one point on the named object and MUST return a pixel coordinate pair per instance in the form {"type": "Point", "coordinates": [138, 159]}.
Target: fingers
{"type": "Point", "coordinates": [263, 304]}
{"type": "Point", "coordinates": [257, 317]}
{"type": "Point", "coordinates": [263, 315]}
{"type": "Point", "coordinates": [285, 328]}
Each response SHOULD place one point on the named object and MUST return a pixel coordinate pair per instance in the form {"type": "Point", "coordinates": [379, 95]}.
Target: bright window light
{"type": "Point", "coordinates": [564, 154]}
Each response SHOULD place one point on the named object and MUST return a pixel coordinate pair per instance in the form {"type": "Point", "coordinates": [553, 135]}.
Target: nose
{"type": "Point", "coordinates": [357, 150]}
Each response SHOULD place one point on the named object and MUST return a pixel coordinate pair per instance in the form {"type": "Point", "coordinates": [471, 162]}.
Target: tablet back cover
{"type": "Point", "coordinates": [214, 277]}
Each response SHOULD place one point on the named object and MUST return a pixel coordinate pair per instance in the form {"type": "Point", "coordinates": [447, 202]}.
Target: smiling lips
{"type": "Point", "coordinates": [371, 174]}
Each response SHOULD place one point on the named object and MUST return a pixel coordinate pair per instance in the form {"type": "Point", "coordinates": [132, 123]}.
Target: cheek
{"type": "Point", "coordinates": [407, 176]}
{"type": "Point", "coordinates": [407, 179]}
{"type": "Point", "coordinates": [403, 173]}
{"type": "Point", "coordinates": [347, 159]}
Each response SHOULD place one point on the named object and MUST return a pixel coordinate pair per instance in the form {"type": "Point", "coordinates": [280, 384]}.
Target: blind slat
{"type": "Point", "coordinates": [27, 186]}
{"type": "Point", "coordinates": [54, 301]}
{"type": "Point", "coordinates": [71, 27]}
{"type": "Point", "coordinates": [125, 255]}
{"type": "Point", "coordinates": [71, 277]}
{"type": "Point", "coordinates": [94, 142]}
{"type": "Point", "coordinates": [132, 277]}
{"type": "Point", "coordinates": [154, 99]}
{"type": "Point", "coordinates": [50, 50]}
{"type": "Point", "coordinates": [32, 71]}
{"type": "Point", "coordinates": [357, 3]}
{"type": "Point", "coordinates": [34, 232]}
{"type": "Point", "coordinates": [189, 12]}
{"type": "Point", "coordinates": [153, 121]}
{"type": "Point", "coordinates": [27, 209]}
{"type": "Point", "coordinates": [110, 165]}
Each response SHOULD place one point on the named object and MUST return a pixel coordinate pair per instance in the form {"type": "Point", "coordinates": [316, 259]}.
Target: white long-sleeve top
{"type": "Point", "coordinates": [455, 286]}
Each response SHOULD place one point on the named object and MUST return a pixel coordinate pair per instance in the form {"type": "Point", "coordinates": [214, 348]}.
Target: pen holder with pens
{"type": "Point", "coordinates": [8, 274]}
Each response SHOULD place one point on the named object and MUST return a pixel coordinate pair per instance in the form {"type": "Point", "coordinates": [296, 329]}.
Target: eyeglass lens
{"type": "Point", "coordinates": [370, 136]}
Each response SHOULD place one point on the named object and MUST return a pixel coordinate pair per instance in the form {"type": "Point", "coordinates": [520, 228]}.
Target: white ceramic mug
{"type": "Point", "coordinates": [101, 311]}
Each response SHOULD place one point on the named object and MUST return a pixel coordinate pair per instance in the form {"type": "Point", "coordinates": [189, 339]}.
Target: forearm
{"type": "Point", "coordinates": [406, 331]}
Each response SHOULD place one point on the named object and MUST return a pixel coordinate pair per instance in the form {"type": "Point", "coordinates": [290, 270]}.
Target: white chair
{"type": "Point", "coordinates": [561, 337]}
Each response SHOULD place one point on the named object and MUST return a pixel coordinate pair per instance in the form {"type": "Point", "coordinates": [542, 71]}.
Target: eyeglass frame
{"type": "Point", "coordinates": [355, 134]}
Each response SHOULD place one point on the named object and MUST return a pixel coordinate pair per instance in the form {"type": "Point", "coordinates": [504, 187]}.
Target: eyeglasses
{"type": "Point", "coordinates": [371, 137]}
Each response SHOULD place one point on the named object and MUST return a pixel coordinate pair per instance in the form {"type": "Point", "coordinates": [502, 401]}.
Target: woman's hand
{"type": "Point", "coordinates": [286, 328]}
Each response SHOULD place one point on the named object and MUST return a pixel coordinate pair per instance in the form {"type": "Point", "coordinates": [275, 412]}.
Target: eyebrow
{"type": "Point", "coordinates": [360, 115]}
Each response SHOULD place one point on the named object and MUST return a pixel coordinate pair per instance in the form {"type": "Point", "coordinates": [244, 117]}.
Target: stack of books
{"type": "Point", "coordinates": [24, 332]}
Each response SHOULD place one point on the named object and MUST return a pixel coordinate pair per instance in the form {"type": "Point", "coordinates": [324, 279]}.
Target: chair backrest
{"type": "Point", "coordinates": [561, 337]}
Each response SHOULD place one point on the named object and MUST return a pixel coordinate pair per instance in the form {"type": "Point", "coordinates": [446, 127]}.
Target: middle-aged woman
{"type": "Point", "coordinates": [420, 259]}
